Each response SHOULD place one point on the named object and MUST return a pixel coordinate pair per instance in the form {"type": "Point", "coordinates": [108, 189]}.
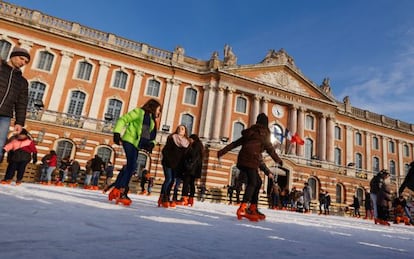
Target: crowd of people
{"type": "Point", "coordinates": [182, 158]}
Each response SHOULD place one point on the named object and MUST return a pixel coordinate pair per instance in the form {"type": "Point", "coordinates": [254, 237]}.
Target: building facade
{"type": "Point", "coordinates": [81, 80]}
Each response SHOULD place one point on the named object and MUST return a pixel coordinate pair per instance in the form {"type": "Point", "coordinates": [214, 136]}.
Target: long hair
{"type": "Point", "coordinates": [151, 106]}
{"type": "Point", "coordinates": [197, 142]}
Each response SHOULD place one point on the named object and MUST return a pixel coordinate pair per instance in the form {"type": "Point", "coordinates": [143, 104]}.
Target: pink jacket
{"type": "Point", "coordinates": [26, 145]}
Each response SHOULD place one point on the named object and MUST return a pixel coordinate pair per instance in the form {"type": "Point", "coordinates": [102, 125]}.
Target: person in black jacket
{"type": "Point", "coordinates": [13, 93]}
{"type": "Point", "coordinates": [191, 167]}
{"type": "Point", "coordinates": [408, 180]}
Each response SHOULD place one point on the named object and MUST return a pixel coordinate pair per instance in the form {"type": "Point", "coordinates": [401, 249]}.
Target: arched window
{"type": "Point", "coordinates": [143, 161]}
{"type": "Point", "coordinates": [84, 70]}
{"type": "Point", "coordinates": [36, 92]}
{"type": "Point", "coordinates": [153, 88]}
{"type": "Point", "coordinates": [190, 96]}
{"type": "Point", "coordinates": [188, 121]}
{"type": "Point", "coordinates": [77, 100]}
{"type": "Point", "coordinates": [120, 80]}
{"type": "Point", "coordinates": [375, 164]}
{"type": "Point", "coordinates": [114, 108]}
{"type": "Point", "coordinates": [406, 169]}
{"type": "Point", "coordinates": [339, 193]}
{"type": "Point", "coordinates": [241, 104]}
{"type": "Point", "coordinates": [276, 134]}
{"type": "Point", "coordinates": [64, 149]}
{"type": "Point", "coordinates": [45, 60]}
{"type": "Point", "coordinates": [313, 185]}
{"type": "Point", "coordinates": [360, 194]}
{"type": "Point", "coordinates": [237, 129]}
{"type": "Point", "coordinates": [105, 153]}
{"type": "Point", "coordinates": [338, 156]}
{"type": "Point", "coordinates": [4, 49]}
{"type": "Point", "coordinates": [308, 148]}
{"type": "Point", "coordinates": [391, 146]}
{"type": "Point", "coordinates": [406, 150]}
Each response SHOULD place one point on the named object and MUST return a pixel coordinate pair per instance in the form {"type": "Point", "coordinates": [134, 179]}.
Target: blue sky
{"type": "Point", "coordinates": [365, 47]}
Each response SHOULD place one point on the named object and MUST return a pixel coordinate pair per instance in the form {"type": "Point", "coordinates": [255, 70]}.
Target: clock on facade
{"type": "Point", "coordinates": [278, 111]}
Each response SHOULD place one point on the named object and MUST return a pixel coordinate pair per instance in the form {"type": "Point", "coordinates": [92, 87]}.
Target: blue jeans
{"type": "Point", "coordinates": [4, 131]}
{"type": "Point", "coordinates": [131, 153]}
{"type": "Point", "coordinates": [168, 179]}
{"type": "Point", "coordinates": [95, 177]}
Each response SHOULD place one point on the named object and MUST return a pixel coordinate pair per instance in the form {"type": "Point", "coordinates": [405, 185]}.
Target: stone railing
{"type": "Point", "coordinates": [381, 119]}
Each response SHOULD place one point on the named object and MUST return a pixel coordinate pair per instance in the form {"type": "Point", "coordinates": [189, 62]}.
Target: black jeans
{"type": "Point", "coordinates": [254, 182]}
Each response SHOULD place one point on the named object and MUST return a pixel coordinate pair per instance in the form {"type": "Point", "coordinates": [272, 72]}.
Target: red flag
{"type": "Point", "coordinates": [298, 140]}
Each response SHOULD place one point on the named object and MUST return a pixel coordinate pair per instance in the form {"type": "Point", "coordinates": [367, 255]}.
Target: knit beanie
{"type": "Point", "coordinates": [20, 52]}
{"type": "Point", "coordinates": [262, 120]}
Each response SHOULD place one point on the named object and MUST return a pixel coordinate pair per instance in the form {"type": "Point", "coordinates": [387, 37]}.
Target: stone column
{"type": "Point", "coordinates": [301, 131]}
{"type": "Point", "coordinates": [330, 139]}
{"type": "Point", "coordinates": [61, 76]}
{"type": "Point", "coordinates": [322, 137]}
{"type": "Point", "coordinates": [368, 148]}
{"type": "Point", "coordinates": [255, 109]}
{"type": "Point", "coordinates": [384, 153]}
{"type": "Point", "coordinates": [227, 113]}
{"type": "Point", "coordinates": [207, 110]}
{"type": "Point", "coordinates": [265, 106]}
{"type": "Point", "coordinates": [99, 89]}
{"type": "Point", "coordinates": [350, 156]}
{"type": "Point", "coordinates": [136, 90]}
{"type": "Point", "coordinates": [218, 113]}
{"type": "Point", "coordinates": [170, 103]}
{"type": "Point", "coordinates": [293, 126]}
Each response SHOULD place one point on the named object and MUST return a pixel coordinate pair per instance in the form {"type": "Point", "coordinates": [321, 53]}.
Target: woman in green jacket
{"type": "Point", "coordinates": [140, 127]}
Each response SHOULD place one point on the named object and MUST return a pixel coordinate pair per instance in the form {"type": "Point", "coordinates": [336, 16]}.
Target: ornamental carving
{"type": "Point", "coordinates": [280, 79]}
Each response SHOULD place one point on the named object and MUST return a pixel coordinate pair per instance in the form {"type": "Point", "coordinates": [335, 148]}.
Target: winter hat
{"type": "Point", "coordinates": [262, 120]}
{"type": "Point", "coordinates": [19, 52]}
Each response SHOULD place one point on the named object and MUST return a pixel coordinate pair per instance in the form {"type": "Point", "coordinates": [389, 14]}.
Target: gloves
{"type": "Point", "coordinates": [34, 158]}
{"type": "Point", "coordinates": [117, 138]}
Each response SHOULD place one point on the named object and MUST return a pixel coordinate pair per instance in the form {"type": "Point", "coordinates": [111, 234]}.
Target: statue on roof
{"type": "Point", "coordinates": [230, 58]}
{"type": "Point", "coordinates": [326, 87]}
{"type": "Point", "coordinates": [278, 57]}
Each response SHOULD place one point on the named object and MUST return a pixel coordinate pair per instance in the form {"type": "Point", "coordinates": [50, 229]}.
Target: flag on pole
{"type": "Point", "coordinates": [298, 140]}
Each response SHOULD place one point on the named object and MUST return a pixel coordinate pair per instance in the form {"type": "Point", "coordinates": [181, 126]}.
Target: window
{"type": "Point", "coordinates": [406, 150]}
{"type": "Point", "coordinates": [45, 61]}
{"type": "Point", "coordinates": [391, 146]}
{"type": "Point", "coordinates": [309, 122]}
{"type": "Point", "coordinates": [308, 148]}
{"type": "Point", "coordinates": [375, 143]}
{"type": "Point", "coordinates": [237, 129]}
{"type": "Point", "coordinates": [276, 134]}
{"type": "Point", "coordinates": [190, 96]}
{"type": "Point", "coordinates": [338, 155]}
{"type": "Point", "coordinates": [114, 108]}
{"type": "Point", "coordinates": [358, 139]}
{"type": "Point", "coordinates": [241, 104]}
{"type": "Point", "coordinates": [84, 70]}
{"type": "Point", "coordinates": [337, 133]}
{"type": "Point", "coordinates": [338, 194]}
{"type": "Point", "coordinates": [358, 161]}
{"type": "Point", "coordinates": [153, 88]}
{"type": "Point", "coordinates": [76, 103]}
{"type": "Point", "coordinates": [392, 169]}
{"type": "Point", "coordinates": [4, 49]}
{"type": "Point", "coordinates": [142, 162]}
{"type": "Point", "coordinates": [36, 92]}
{"type": "Point", "coordinates": [64, 149]}
{"type": "Point", "coordinates": [120, 80]}
{"type": "Point", "coordinates": [312, 184]}
{"type": "Point", "coordinates": [188, 120]}
{"type": "Point", "coordinates": [375, 164]}
{"type": "Point", "coordinates": [406, 169]}
{"type": "Point", "coordinates": [105, 153]}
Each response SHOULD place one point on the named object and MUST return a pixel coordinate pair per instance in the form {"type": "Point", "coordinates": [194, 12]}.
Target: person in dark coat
{"type": "Point", "coordinates": [408, 180]}
{"type": "Point", "coordinates": [383, 200]}
{"type": "Point", "coordinates": [172, 154]}
{"type": "Point", "coordinates": [191, 168]}
{"type": "Point", "coordinates": [356, 207]}
{"type": "Point", "coordinates": [368, 206]}
{"type": "Point", "coordinates": [253, 142]}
